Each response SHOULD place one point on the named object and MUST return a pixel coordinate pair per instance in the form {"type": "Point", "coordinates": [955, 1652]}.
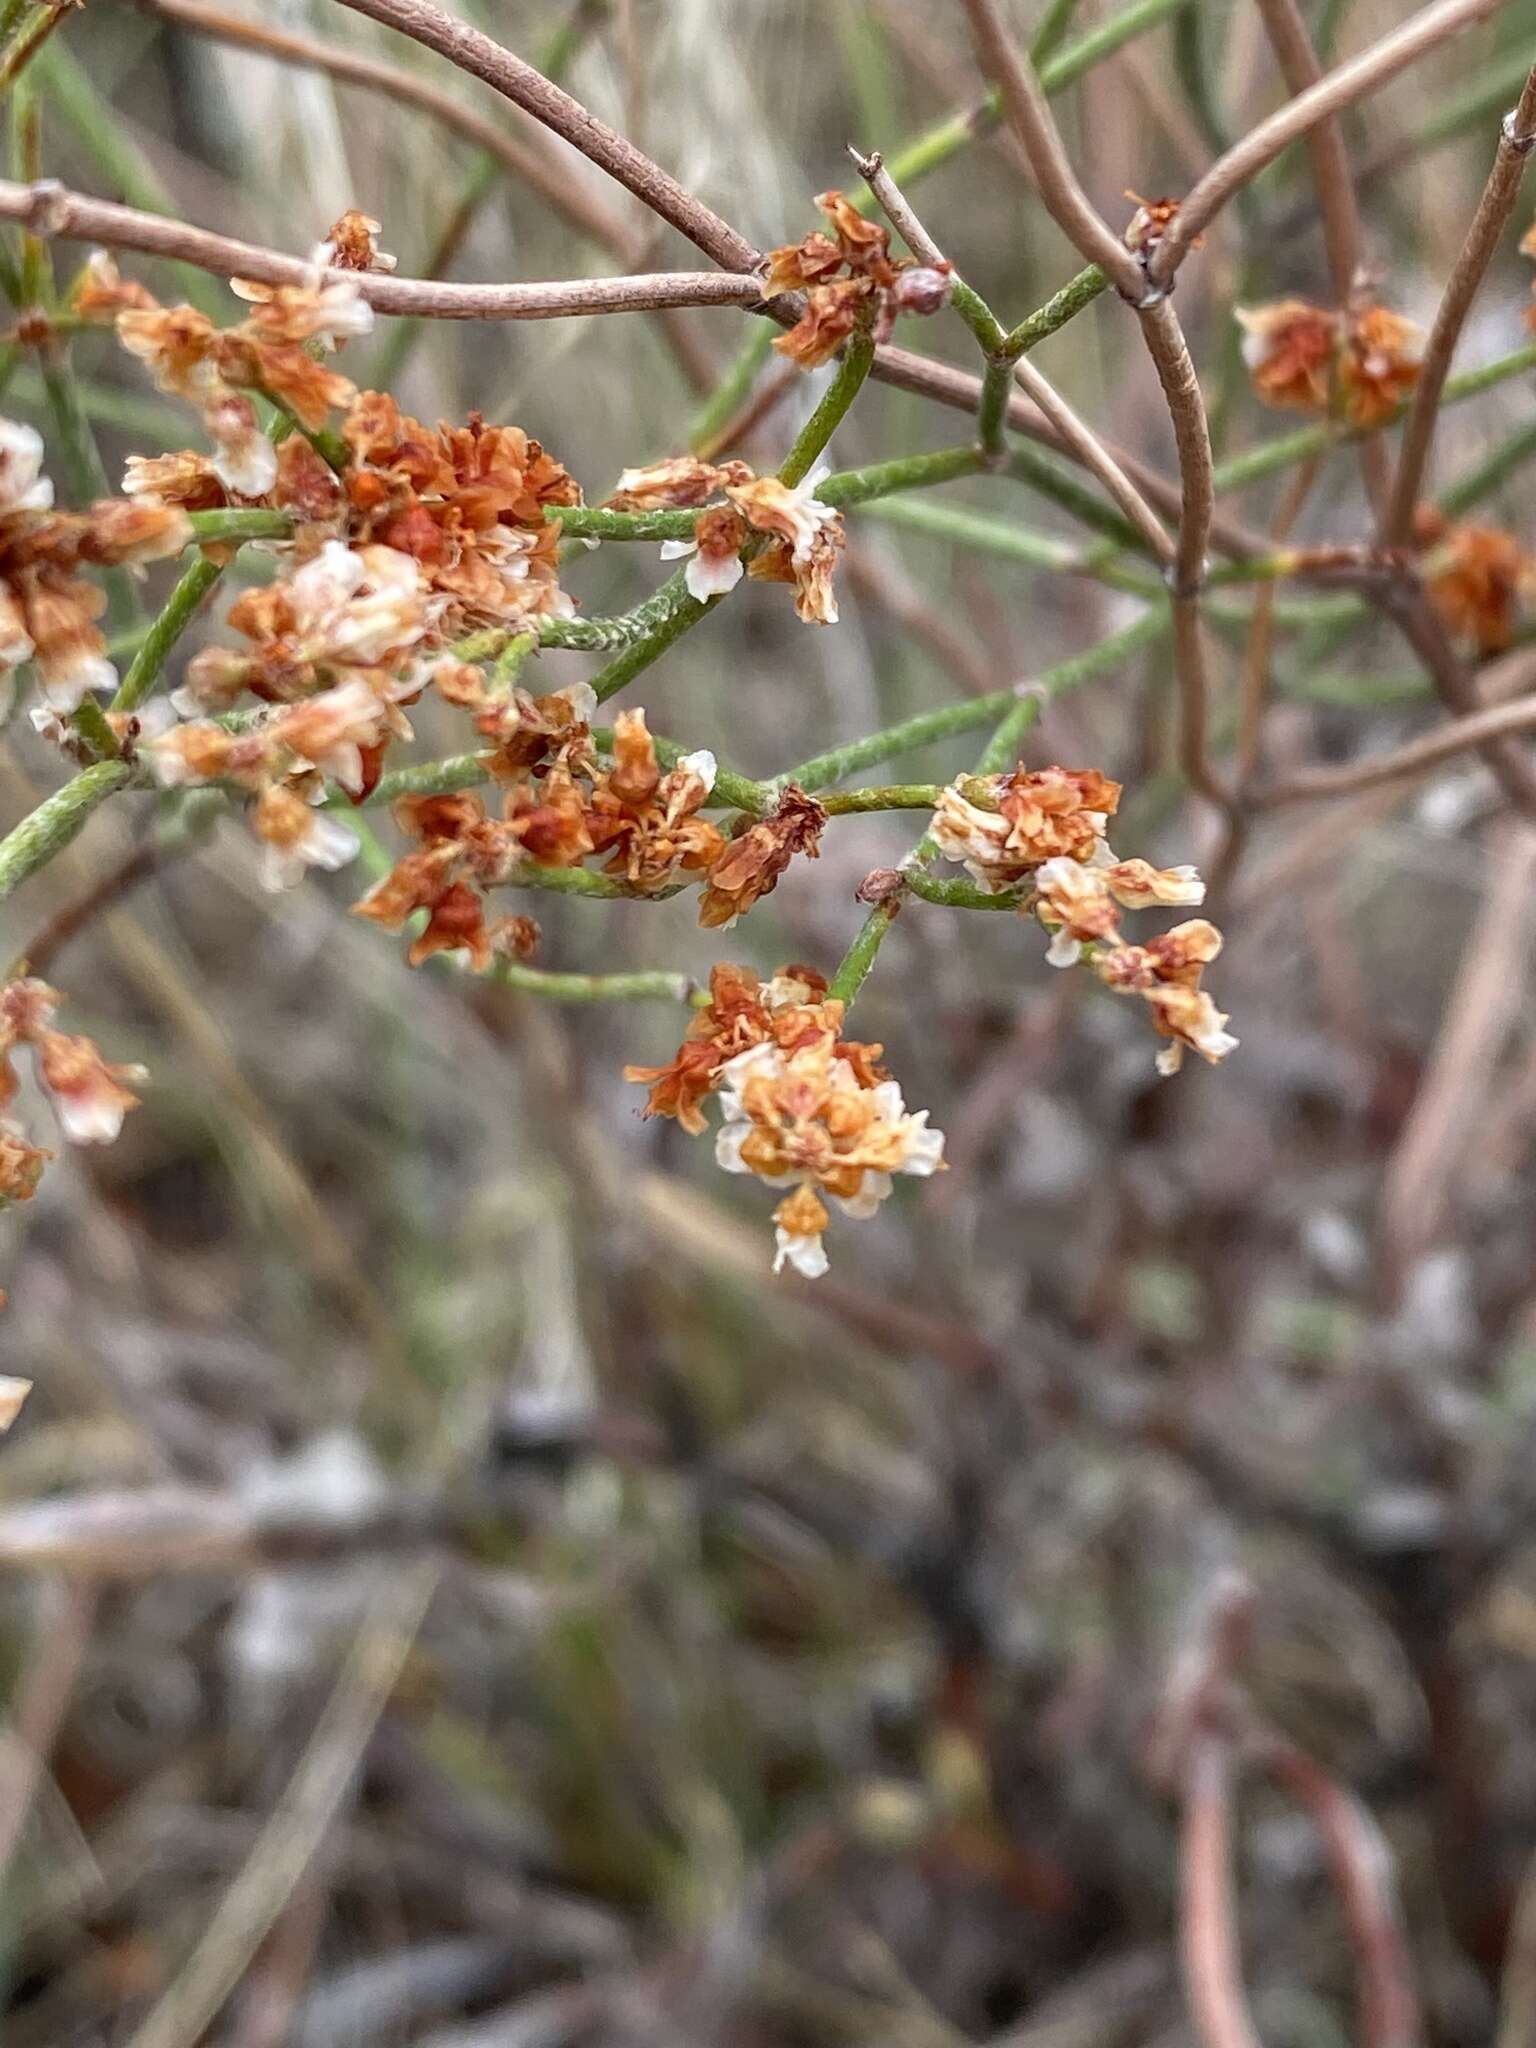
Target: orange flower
{"type": "Point", "coordinates": [1476, 576]}
{"type": "Point", "coordinates": [352, 243]}
{"type": "Point", "coordinates": [1379, 364]}
{"type": "Point", "coordinates": [89, 1096]}
{"type": "Point", "coordinates": [680, 481]}
{"type": "Point", "coordinates": [805, 539]}
{"type": "Point", "coordinates": [47, 612]}
{"type": "Point", "coordinates": [803, 1107]}
{"type": "Point", "coordinates": [467, 504]}
{"type": "Point", "coordinates": [1291, 348]}
{"type": "Point", "coordinates": [749, 866]}
{"type": "Point", "coordinates": [872, 290]}
{"type": "Point", "coordinates": [1032, 815]}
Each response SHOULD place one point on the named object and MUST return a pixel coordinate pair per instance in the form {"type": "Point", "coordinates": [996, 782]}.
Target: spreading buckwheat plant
{"type": "Point", "coordinates": [386, 558]}
{"type": "Point", "coordinates": [922, 724]}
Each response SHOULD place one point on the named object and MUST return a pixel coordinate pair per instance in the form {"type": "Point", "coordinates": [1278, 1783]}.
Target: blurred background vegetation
{"type": "Point", "coordinates": [465, 1600]}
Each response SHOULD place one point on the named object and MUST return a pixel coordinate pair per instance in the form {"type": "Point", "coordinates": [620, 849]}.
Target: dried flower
{"type": "Point", "coordinates": [714, 554]}
{"type": "Point", "coordinates": [680, 482]}
{"type": "Point", "coordinates": [1476, 576]}
{"type": "Point", "coordinates": [352, 244]}
{"type": "Point", "coordinates": [804, 1108]}
{"type": "Point", "coordinates": [1291, 349]}
{"type": "Point", "coordinates": [89, 1096]}
{"type": "Point", "coordinates": [1031, 816]}
{"type": "Point", "coordinates": [748, 866]}
{"type": "Point", "coordinates": [805, 537]}
{"type": "Point", "coordinates": [467, 504]}
{"type": "Point", "coordinates": [1046, 828]}
{"type": "Point", "coordinates": [872, 290]}
{"type": "Point", "coordinates": [48, 612]}
{"type": "Point", "coordinates": [1379, 364]}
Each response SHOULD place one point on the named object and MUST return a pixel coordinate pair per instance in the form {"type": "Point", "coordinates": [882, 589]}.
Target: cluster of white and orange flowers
{"type": "Point", "coordinates": [797, 537]}
{"type": "Point", "coordinates": [564, 804]}
{"type": "Point", "coordinates": [89, 1096]}
{"type": "Point", "coordinates": [1358, 364]}
{"type": "Point", "coordinates": [1043, 830]}
{"type": "Point", "coordinates": [1477, 577]}
{"type": "Point", "coordinates": [331, 649]}
{"type": "Point", "coordinates": [850, 280]}
{"type": "Point", "coordinates": [48, 610]}
{"type": "Point", "coordinates": [803, 1108]}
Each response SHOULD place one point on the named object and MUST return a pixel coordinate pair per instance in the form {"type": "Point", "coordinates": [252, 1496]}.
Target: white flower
{"type": "Point", "coordinates": [13, 1392]}
{"type": "Point", "coordinates": [707, 575]}
{"type": "Point", "coordinates": [23, 487]}
{"type": "Point", "coordinates": [807, 1254]}
{"type": "Point", "coordinates": [68, 682]}
{"type": "Point", "coordinates": [327, 844]}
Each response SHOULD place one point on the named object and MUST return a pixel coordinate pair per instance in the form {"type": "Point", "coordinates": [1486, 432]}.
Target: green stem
{"type": "Point", "coordinates": [829, 414]}
{"type": "Point", "coordinates": [958, 895]}
{"type": "Point", "coordinates": [853, 968]}
{"type": "Point", "coordinates": [593, 988]}
{"type": "Point", "coordinates": [181, 607]}
{"type": "Point", "coordinates": [55, 822]}
{"type": "Point", "coordinates": [931, 726]}
{"type": "Point", "coordinates": [992, 412]}
{"type": "Point", "coordinates": [1075, 294]}
{"type": "Point", "coordinates": [897, 796]}
{"type": "Point", "coordinates": [239, 523]}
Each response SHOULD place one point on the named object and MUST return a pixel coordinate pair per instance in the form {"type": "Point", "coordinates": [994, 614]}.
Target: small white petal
{"type": "Point", "coordinates": [674, 550]}
{"type": "Point", "coordinates": [1063, 951]}
{"type": "Point", "coordinates": [728, 1143]}
{"type": "Point", "coordinates": [701, 764]}
{"type": "Point", "coordinates": [806, 1254]}
{"type": "Point", "coordinates": [13, 1392]}
{"type": "Point", "coordinates": [710, 576]}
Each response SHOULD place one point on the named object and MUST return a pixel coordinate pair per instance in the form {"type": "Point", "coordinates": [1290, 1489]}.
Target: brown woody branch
{"type": "Point", "coordinates": [1335, 91]}
{"type": "Point", "coordinates": [1488, 223]}
{"type": "Point", "coordinates": [1412, 758]}
{"type": "Point", "coordinates": [48, 209]}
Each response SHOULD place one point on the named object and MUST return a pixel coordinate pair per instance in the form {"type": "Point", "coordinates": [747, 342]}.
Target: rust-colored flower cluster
{"type": "Point", "coordinates": [851, 281]}
{"type": "Point", "coordinates": [798, 538]}
{"type": "Point", "coordinates": [1476, 577]}
{"type": "Point", "coordinates": [332, 649]}
{"type": "Point", "coordinates": [90, 1097]}
{"type": "Point", "coordinates": [1044, 829]}
{"type": "Point", "coordinates": [1359, 364]}
{"type": "Point", "coordinates": [803, 1108]}
{"type": "Point", "coordinates": [275, 350]}
{"type": "Point", "coordinates": [48, 610]}
{"type": "Point", "coordinates": [467, 504]}
{"type": "Point", "coordinates": [563, 806]}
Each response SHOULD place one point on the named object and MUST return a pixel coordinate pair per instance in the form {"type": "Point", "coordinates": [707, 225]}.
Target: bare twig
{"type": "Point", "coordinates": [872, 170]}
{"type": "Point", "coordinates": [48, 209]}
{"type": "Point", "coordinates": [1208, 1908]}
{"type": "Point", "coordinates": [1298, 63]}
{"type": "Point", "coordinates": [1033, 123]}
{"type": "Point", "coordinates": [1412, 758]}
{"type": "Point", "coordinates": [1074, 213]}
{"type": "Point", "coordinates": [1361, 1867]}
{"type": "Point", "coordinates": [1080, 441]}
{"type": "Point", "coordinates": [1338, 89]}
{"type": "Point", "coordinates": [1516, 142]}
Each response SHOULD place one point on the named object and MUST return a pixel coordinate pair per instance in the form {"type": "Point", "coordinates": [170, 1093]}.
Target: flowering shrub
{"type": "Point", "coordinates": [410, 558]}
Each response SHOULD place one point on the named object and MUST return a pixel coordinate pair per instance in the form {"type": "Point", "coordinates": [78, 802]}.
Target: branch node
{"type": "Point", "coordinates": [1521, 144]}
